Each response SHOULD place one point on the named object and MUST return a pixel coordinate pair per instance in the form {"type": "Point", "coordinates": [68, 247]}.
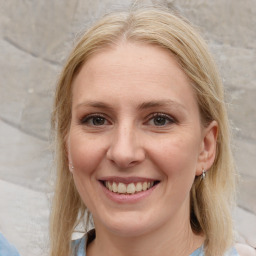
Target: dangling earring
{"type": "Point", "coordinates": [203, 175]}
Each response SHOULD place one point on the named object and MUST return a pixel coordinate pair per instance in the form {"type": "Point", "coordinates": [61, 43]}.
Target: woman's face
{"type": "Point", "coordinates": [135, 140]}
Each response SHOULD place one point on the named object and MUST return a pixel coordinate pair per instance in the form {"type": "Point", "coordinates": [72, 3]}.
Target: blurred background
{"type": "Point", "coordinates": [35, 39]}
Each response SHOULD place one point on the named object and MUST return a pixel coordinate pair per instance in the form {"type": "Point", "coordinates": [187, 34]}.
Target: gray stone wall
{"type": "Point", "coordinates": [35, 38]}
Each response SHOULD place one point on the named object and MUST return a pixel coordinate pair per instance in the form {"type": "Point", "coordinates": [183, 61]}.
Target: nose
{"type": "Point", "coordinates": [126, 149]}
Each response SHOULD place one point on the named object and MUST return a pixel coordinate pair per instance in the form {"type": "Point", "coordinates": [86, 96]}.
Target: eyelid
{"type": "Point", "coordinates": [86, 118]}
{"type": "Point", "coordinates": [161, 114]}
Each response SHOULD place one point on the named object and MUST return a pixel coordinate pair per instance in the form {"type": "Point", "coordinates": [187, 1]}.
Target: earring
{"type": "Point", "coordinates": [203, 175]}
{"type": "Point", "coordinates": [71, 167]}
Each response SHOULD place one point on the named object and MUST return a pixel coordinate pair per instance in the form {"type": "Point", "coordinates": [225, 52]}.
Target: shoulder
{"type": "Point", "coordinates": [245, 250]}
{"type": "Point", "coordinates": [78, 246]}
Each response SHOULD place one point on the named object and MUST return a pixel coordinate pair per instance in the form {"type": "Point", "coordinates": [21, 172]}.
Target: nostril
{"type": "Point", "coordinates": [123, 164]}
{"type": "Point", "coordinates": [123, 159]}
{"type": "Point", "coordinates": [132, 163]}
{"type": "Point", "coordinates": [125, 152]}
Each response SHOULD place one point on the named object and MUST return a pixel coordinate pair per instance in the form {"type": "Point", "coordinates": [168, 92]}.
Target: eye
{"type": "Point", "coordinates": [160, 119]}
{"type": "Point", "coordinates": [94, 120]}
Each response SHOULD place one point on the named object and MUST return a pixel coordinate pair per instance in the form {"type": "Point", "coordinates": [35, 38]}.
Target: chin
{"type": "Point", "coordinates": [129, 226]}
{"type": "Point", "coordinates": [129, 231]}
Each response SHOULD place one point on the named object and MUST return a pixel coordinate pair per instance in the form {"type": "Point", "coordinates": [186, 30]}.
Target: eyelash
{"type": "Point", "coordinates": [85, 120]}
{"type": "Point", "coordinates": [166, 118]}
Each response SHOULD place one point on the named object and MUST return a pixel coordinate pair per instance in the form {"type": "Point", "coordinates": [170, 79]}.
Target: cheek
{"type": "Point", "coordinates": [177, 156]}
{"type": "Point", "coordinates": [85, 153]}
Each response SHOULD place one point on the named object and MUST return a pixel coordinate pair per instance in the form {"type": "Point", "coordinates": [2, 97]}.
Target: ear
{"type": "Point", "coordinates": [208, 147]}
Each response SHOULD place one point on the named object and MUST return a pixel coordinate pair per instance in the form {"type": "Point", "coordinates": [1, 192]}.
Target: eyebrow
{"type": "Point", "coordinates": [95, 104]}
{"type": "Point", "coordinates": [142, 106]}
{"type": "Point", "coordinates": [160, 103]}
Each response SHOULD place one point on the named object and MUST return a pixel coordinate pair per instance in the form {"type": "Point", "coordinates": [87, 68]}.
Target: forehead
{"type": "Point", "coordinates": [133, 58]}
{"type": "Point", "coordinates": [139, 71]}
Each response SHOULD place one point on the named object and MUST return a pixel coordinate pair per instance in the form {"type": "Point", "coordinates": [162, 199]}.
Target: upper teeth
{"type": "Point", "coordinates": [130, 188]}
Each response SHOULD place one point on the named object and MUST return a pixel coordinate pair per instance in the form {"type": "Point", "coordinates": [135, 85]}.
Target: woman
{"type": "Point", "coordinates": [142, 142]}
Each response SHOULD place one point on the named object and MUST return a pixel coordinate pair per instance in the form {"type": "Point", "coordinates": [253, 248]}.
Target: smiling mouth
{"type": "Point", "coordinates": [130, 188]}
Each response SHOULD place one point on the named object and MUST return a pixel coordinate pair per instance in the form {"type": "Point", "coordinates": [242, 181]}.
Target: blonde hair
{"type": "Point", "coordinates": [210, 199]}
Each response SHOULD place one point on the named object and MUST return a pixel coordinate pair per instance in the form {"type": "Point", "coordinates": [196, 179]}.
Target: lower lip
{"type": "Point", "coordinates": [128, 198]}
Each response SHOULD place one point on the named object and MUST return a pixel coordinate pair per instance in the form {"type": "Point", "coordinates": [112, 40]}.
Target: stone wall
{"type": "Point", "coordinates": [35, 37]}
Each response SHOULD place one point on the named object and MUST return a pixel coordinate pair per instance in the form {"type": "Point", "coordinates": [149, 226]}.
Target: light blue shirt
{"type": "Point", "coordinates": [200, 252]}
{"type": "Point", "coordinates": [79, 246]}
{"type": "Point", "coordinates": [6, 249]}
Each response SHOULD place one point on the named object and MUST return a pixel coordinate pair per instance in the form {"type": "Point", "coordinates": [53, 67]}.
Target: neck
{"type": "Point", "coordinates": [174, 238]}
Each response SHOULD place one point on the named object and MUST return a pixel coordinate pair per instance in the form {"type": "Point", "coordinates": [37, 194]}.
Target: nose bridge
{"type": "Point", "coordinates": [125, 148]}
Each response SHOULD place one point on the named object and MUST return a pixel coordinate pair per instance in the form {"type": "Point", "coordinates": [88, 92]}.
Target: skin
{"type": "Point", "coordinates": [148, 126]}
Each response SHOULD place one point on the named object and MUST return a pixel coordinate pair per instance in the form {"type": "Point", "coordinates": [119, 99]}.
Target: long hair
{"type": "Point", "coordinates": [211, 200]}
